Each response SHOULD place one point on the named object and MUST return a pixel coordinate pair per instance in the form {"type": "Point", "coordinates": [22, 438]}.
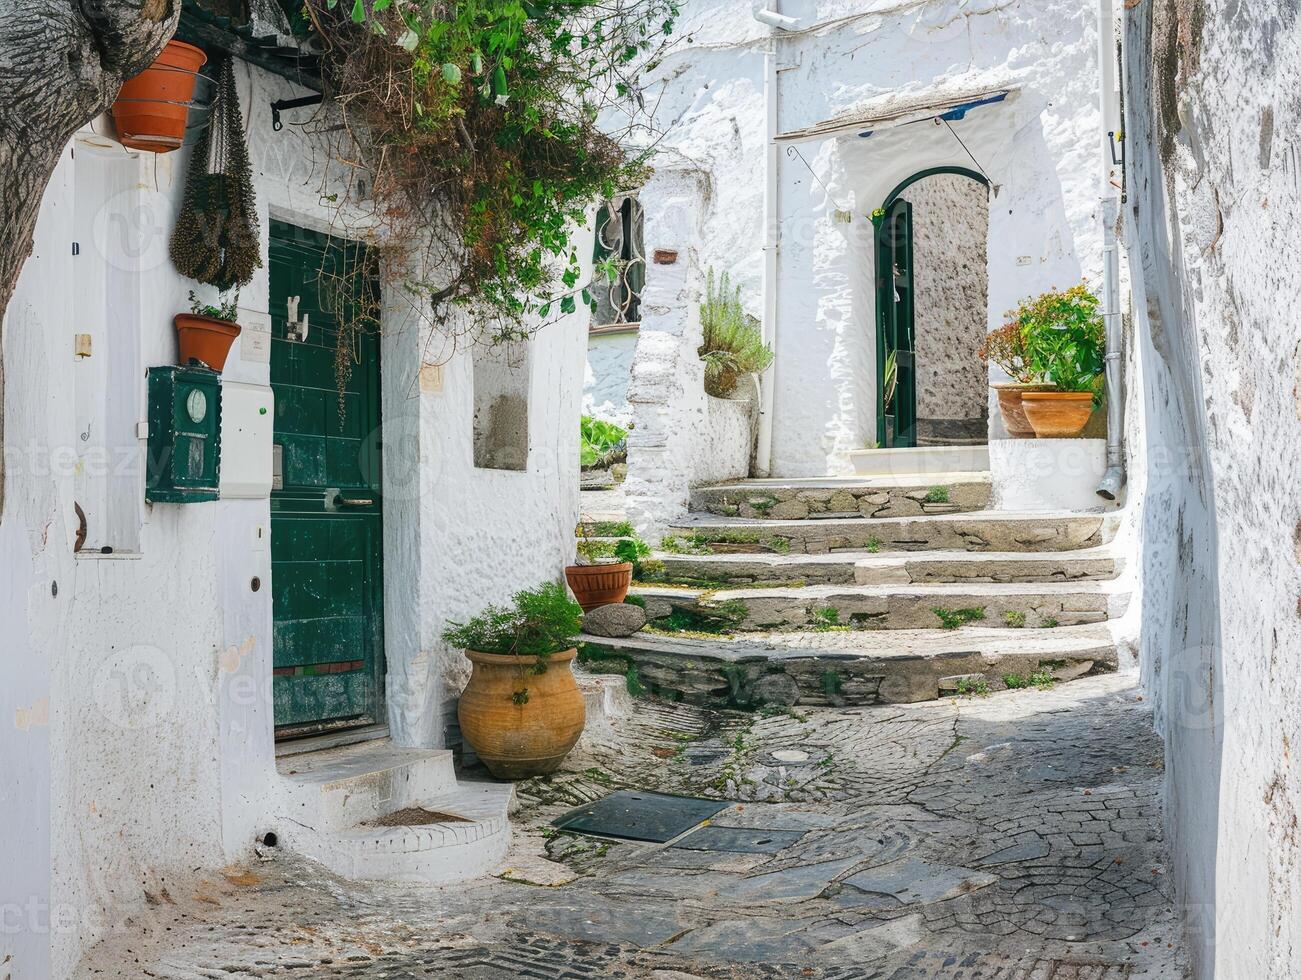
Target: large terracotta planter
{"type": "Point", "coordinates": [204, 339]}
{"type": "Point", "coordinates": [1009, 403]}
{"type": "Point", "coordinates": [1057, 414]}
{"type": "Point", "coordinates": [516, 741]}
{"type": "Point", "coordinates": [151, 109]}
{"type": "Point", "coordinates": [599, 585]}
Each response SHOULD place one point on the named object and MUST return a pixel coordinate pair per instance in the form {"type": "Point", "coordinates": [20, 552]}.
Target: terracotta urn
{"type": "Point", "coordinates": [599, 585]}
{"type": "Point", "coordinates": [205, 339]}
{"type": "Point", "coordinates": [1009, 403]}
{"type": "Point", "coordinates": [520, 736]}
{"type": "Point", "coordinates": [152, 108]}
{"type": "Point", "coordinates": [1057, 414]}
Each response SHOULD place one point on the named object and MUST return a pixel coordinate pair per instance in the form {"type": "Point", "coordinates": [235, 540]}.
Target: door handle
{"type": "Point", "coordinates": [342, 501]}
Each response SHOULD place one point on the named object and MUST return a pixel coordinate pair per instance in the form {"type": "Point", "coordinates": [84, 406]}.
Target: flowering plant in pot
{"type": "Point", "coordinates": [522, 710]}
{"type": "Point", "coordinates": [1065, 343]}
{"type": "Point", "coordinates": [205, 334]}
{"type": "Point", "coordinates": [1006, 348]}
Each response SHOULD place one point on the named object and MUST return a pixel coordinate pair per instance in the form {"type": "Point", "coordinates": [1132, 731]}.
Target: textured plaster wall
{"type": "Point", "coordinates": [950, 215]}
{"type": "Point", "coordinates": [1213, 244]}
{"type": "Point", "coordinates": [135, 710]}
{"type": "Point", "coordinates": [1037, 147]}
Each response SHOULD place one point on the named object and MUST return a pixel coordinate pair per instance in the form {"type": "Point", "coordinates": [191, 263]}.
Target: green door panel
{"type": "Point", "coordinates": [326, 514]}
{"type": "Point", "coordinates": [895, 320]}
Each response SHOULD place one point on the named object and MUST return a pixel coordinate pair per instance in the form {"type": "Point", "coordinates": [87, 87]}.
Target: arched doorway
{"type": "Point", "coordinates": [931, 301]}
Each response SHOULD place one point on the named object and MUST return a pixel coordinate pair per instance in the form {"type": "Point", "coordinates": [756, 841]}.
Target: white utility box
{"type": "Point", "coordinates": [247, 429]}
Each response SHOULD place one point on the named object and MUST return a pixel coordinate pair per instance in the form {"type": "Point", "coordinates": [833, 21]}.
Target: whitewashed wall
{"type": "Point", "coordinates": [1214, 245]}
{"type": "Point", "coordinates": [154, 668]}
{"type": "Point", "coordinates": [608, 372]}
{"type": "Point", "coordinates": [1037, 147]}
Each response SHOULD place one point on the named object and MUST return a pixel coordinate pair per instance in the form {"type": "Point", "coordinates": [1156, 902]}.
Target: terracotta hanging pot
{"type": "Point", "coordinates": [599, 585]}
{"type": "Point", "coordinates": [1009, 403]}
{"type": "Point", "coordinates": [205, 339]}
{"type": "Point", "coordinates": [518, 737]}
{"type": "Point", "coordinates": [1057, 414]}
{"type": "Point", "coordinates": [152, 108]}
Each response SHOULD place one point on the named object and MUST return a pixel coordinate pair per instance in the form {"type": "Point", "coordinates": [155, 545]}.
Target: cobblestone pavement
{"type": "Point", "coordinates": [1012, 837]}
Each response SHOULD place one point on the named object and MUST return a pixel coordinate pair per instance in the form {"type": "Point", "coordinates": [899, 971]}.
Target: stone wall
{"type": "Point", "coordinates": [1213, 184]}
{"type": "Point", "coordinates": [950, 216]}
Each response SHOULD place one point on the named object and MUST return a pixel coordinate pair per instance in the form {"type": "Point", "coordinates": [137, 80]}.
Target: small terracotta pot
{"type": "Point", "coordinates": [152, 108]}
{"type": "Point", "coordinates": [204, 339]}
{"type": "Point", "coordinates": [516, 741]}
{"type": "Point", "coordinates": [1057, 414]}
{"type": "Point", "coordinates": [1009, 403]}
{"type": "Point", "coordinates": [599, 585]}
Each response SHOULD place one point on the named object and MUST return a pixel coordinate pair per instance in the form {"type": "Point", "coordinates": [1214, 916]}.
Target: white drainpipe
{"type": "Point", "coordinates": [1114, 477]}
{"type": "Point", "coordinates": [772, 160]}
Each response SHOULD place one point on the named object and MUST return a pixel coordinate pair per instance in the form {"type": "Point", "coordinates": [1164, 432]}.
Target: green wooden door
{"type": "Point", "coordinates": [326, 522]}
{"type": "Point", "coordinates": [894, 306]}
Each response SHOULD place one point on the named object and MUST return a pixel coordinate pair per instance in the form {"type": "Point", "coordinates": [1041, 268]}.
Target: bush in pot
{"type": "Point", "coordinates": [522, 710]}
{"type": "Point", "coordinates": [1006, 348]}
{"type": "Point", "coordinates": [1065, 343]}
{"type": "Point", "coordinates": [205, 334]}
{"type": "Point", "coordinates": [605, 568]}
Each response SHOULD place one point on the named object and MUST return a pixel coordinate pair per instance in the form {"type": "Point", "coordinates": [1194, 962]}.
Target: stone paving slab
{"type": "Point", "coordinates": [1011, 837]}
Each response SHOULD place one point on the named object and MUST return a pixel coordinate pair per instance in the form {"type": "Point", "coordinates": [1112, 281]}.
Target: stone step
{"type": "Point", "coordinates": [1011, 605]}
{"type": "Point", "coordinates": [922, 459]}
{"type": "Point", "coordinates": [439, 853]}
{"type": "Point", "coordinates": [896, 568]}
{"type": "Point", "coordinates": [856, 668]}
{"type": "Point", "coordinates": [829, 498]}
{"type": "Point", "coordinates": [985, 531]}
{"type": "Point", "coordinates": [332, 800]}
{"type": "Point", "coordinates": [339, 788]}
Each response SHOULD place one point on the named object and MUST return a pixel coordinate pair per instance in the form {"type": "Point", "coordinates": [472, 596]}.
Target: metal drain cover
{"type": "Point", "coordinates": [739, 840]}
{"type": "Point", "coordinates": [634, 815]}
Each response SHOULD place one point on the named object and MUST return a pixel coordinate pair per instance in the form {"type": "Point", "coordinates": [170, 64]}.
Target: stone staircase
{"type": "Point", "coordinates": [884, 587]}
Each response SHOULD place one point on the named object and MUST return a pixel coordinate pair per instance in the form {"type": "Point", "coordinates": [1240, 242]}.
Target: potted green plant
{"type": "Point", "coordinates": [604, 569]}
{"type": "Point", "coordinates": [522, 710]}
{"type": "Point", "coordinates": [1065, 344]}
{"type": "Point", "coordinates": [207, 331]}
{"type": "Point", "coordinates": [733, 343]}
{"type": "Point", "coordinates": [1006, 348]}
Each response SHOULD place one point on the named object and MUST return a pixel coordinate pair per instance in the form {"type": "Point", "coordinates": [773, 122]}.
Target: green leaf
{"type": "Point", "coordinates": [358, 12]}
{"type": "Point", "coordinates": [567, 304]}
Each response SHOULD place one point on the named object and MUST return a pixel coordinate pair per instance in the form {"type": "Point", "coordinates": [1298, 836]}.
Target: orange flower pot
{"type": "Point", "coordinates": [599, 585]}
{"type": "Point", "coordinates": [204, 339]}
{"type": "Point", "coordinates": [151, 109]}
{"type": "Point", "coordinates": [518, 738]}
{"type": "Point", "coordinates": [1009, 403]}
{"type": "Point", "coordinates": [1057, 414]}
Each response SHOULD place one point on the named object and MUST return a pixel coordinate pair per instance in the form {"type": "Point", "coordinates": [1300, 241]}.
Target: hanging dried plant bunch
{"type": "Point", "coordinates": [216, 235]}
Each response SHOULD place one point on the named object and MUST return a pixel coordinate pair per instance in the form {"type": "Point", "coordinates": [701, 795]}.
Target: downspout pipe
{"type": "Point", "coordinates": [770, 15]}
{"type": "Point", "coordinates": [1113, 478]}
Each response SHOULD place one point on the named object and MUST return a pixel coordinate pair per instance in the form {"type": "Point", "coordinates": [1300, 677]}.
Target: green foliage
{"type": "Point", "coordinates": [1064, 337]}
{"type": "Point", "coordinates": [974, 686]}
{"type": "Point", "coordinates": [1041, 678]}
{"type": "Point", "coordinates": [1014, 618]}
{"type": "Point", "coordinates": [891, 379]}
{"type": "Point", "coordinates": [937, 495]}
{"type": "Point", "coordinates": [224, 310]}
{"type": "Point", "coordinates": [1049, 623]}
{"type": "Point", "coordinates": [951, 619]}
{"type": "Point", "coordinates": [602, 444]}
{"type": "Point", "coordinates": [610, 529]}
{"type": "Point", "coordinates": [733, 344]}
{"type": "Point", "coordinates": [699, 544]}
{"type": "Point", "coordinates": [1005, 346]}
{"type": "Point", "coordinates": [478, 125]}
{"type": "Point", "coordinates": [826, 619]}
{"type": "Point", "coordinates": [539, 622]}
{"type": "Point", "coordinates": [635, 600]}
{"type": "Point", "coordinates": [873, 546]}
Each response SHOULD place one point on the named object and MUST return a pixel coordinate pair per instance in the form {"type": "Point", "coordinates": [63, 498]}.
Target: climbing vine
{"type": "Point", "coordinates": [485, 128]}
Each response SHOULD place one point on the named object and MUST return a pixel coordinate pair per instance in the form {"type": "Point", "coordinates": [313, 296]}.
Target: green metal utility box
{"type": "Point", "coordinates": [184, 464]}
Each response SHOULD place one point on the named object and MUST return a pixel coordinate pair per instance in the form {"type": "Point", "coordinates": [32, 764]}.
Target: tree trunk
{"type": "Point", "coordinates": [62, 63]}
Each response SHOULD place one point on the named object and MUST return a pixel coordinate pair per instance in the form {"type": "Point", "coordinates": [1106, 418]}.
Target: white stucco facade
{"type": "Point", "coordinates": [862, 61]}
{"type": "Point", "coordinates": [135, 687]}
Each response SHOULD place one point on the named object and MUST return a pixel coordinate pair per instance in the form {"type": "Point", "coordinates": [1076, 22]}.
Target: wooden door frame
{"type": "Point", "coordinates": [884, 289]}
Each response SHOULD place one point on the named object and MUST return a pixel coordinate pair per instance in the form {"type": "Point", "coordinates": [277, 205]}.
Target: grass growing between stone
{"type": "Point", "coordinates": [972, 687]}
{"type": "Point", "coordinates": [701, 544]}
{"type": "Point", "coordinates": [951, 619]}
{"type": "Point", "coordinates": [937, 495]}
{"type": "Point", "coordinates": [1041, 678]}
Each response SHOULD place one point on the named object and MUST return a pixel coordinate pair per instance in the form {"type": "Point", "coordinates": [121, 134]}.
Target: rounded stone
{"type": "Point", "coordinates": [776, 689]}
{"type": "Point", "coordinates": [790, 755]}
{"type": "Point", "coordinates": [616, 619]}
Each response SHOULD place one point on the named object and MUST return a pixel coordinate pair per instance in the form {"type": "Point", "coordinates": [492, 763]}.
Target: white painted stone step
{"type": "Point", "coordinates": [825, 498]}
{"type": "Point", "coordinates": [430, 854]}
{"type": "Point", "coordinates": [984, 531]}
{"type": "Point", "coordinates": [339, 788]}
{"type": "Point", "coordinates": [922, 459]}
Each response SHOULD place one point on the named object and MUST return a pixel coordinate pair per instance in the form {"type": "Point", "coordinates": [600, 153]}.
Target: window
{"type": "Point", "coordinates": [621, 251]}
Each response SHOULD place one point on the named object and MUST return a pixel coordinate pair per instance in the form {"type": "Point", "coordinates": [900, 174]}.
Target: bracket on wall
{"type": "Point", "coordinates": [283, 104]}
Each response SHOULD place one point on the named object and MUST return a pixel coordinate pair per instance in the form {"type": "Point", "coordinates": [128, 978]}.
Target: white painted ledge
{"type": "Point", "coordinates": [1048, 474]}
